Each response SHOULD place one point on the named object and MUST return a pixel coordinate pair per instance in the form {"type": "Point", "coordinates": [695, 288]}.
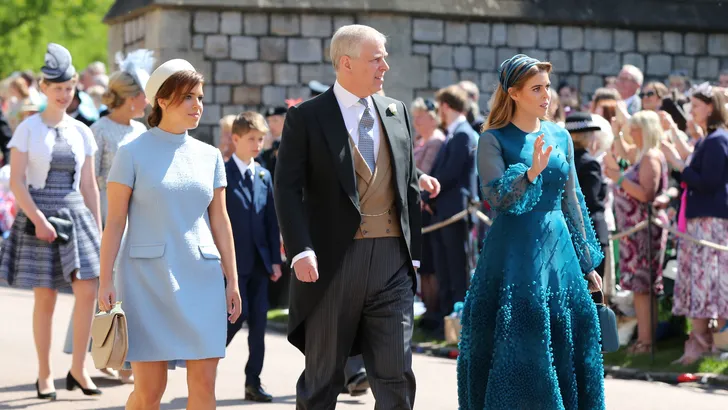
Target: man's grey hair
{"type": "Point", "coordinates": [635, 72]}
{"type": "Point", "coordinates": [348, 39]}
{"type": "Point", "coordinates": [95, 68]}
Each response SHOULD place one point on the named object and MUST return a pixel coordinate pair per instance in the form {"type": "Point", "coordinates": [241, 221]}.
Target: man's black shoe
{"type": "Point", "coordinates": [256, 393]}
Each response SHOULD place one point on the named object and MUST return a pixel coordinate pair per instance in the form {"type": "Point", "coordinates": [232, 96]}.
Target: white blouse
{"type": "Point", "coordinates": [37, 139]}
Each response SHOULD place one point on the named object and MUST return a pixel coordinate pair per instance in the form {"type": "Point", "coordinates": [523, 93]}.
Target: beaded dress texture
{"type": "Point", "coordinates": [531, 336]}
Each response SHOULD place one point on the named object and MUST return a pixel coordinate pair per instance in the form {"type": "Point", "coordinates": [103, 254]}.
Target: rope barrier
{"type": "Point", "coordinates": [683, 235]}
{"type": "Point", "coordinates": [640, 226]}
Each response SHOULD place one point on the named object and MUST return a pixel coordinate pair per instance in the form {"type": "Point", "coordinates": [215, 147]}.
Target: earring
{"type": "Point", "coordinates": [132, 107]}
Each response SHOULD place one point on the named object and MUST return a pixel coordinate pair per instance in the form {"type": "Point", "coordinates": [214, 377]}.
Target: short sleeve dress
{"type": "Point", "coordinates": [56, 156]}
{"type": "Point", "coordinates": [169, 277]}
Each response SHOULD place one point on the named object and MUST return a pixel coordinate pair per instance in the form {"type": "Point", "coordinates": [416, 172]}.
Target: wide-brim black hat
{"type": "Point", "coordinates": [58, 66]}
{"type": "Point", "coordinates": [580, 122]}
{"type": "Point", "coordinates": [271, 111]}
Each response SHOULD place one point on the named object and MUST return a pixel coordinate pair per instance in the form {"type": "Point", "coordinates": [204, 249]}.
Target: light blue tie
{"type": "Point", "coordinates": [366, 139]}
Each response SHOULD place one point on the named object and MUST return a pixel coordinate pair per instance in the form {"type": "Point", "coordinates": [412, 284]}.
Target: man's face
{"type": "Point", "coordinates": [368, 69]}
{"type": "Point", "coordinates": [723, 80]}
{"type": "Point", "coordinates": [275, 123]}
{"type": "Point", "coordinates": [626, 84]}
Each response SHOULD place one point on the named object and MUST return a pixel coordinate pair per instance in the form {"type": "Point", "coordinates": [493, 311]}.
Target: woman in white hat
{"type": "Point", "coordinates": [54, 241]}
{"type": "Point", "coordinates": [171, 187]}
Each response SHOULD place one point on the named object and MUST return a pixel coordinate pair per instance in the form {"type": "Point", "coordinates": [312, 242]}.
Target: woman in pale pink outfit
{"type": "Point", "coordinates": [428, 142]}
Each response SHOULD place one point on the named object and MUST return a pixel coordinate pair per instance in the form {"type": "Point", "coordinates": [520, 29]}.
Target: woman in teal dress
{"type": "Point", "coordinates": [531, 337]}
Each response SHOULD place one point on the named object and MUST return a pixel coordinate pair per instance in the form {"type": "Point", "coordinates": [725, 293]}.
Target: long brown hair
{"type": "Point", "coordinates": [718, 118]}
{"type": "Point", "coordinates": [175, 89]}
{"type": "Point", "coordinates": [503, 107]}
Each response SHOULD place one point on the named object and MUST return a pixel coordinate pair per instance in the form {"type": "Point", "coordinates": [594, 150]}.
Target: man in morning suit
{"type": "Point", "coordinates": [455, 169]}
{"type": "Point", "coordinates": [257, 240]}
{"type": "Point", "coordinates": [349, 210]}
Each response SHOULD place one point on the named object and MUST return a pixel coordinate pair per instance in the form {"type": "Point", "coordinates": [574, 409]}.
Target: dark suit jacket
{"type": "Point", "coordinates": [316, 193]}
{"type": "Point", "coordinates": [254, 224]}
{"type": "Point", "coordinates": [5, 135]}
{"type": "Point", "coordinates": [591, 180]}
{"type": "Point", "coordinates": [269, 157]}
{"type": "Point", "coordinates": [455, 169]}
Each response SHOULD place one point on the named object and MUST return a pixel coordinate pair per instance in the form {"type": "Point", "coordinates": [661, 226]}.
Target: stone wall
{"type": "Point", "coordinates": [253, 58]}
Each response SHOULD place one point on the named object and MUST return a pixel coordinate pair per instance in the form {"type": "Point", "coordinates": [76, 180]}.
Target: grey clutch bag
{"type": "Point", "coordinates": [607, 324]}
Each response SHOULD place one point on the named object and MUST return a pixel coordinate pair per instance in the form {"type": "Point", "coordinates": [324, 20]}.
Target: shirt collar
{"type": "Point", "coordinates": [243, 166]}
{"type": "Point", "coordinates": [346, 98]}
{"type": "Point", "coordinates": [452, 127]}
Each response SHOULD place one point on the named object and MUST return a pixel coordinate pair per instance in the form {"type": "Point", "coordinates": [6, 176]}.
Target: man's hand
{"type": "Point", "coordinates": [306, 269]}
{"type": "Point", "coordinates": [276, 273]}
{"type": "Point", "coordinates": [430, 184]}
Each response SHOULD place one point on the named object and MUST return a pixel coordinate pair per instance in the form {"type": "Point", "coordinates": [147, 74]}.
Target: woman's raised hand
{"type": "Point", "coordinates": [540, 158]}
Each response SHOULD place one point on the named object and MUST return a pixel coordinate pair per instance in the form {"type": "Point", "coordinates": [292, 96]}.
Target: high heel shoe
{"type": "Point", "coordinates": [72, 383]}
{"type": "Point", "coordinates": [44, 396]}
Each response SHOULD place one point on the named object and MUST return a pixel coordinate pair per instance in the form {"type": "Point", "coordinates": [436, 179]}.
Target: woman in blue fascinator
{"type": "Point", "coordinates": [530, 332]}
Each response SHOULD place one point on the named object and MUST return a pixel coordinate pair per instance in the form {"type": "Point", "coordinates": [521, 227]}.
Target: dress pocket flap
{"type": "Point", "coordinates": [209, 252]}
{"type": "Point", "coordinates": [147, 251]}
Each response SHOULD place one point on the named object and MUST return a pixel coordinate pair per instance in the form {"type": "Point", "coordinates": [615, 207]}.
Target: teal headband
{"type": "Point", "coordinates": [513, 68]}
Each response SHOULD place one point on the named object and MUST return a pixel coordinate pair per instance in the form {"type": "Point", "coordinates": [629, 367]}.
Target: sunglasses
{"type": "Point", "coordinates": [648, 94]}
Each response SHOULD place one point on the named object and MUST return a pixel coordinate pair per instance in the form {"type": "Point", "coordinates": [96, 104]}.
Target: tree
{"type": "Point", "coordinates": [27, 26]}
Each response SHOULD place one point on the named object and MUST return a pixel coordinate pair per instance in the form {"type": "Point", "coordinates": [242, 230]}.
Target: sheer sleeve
{"type": "Point", "coordinates": [507, 190]}
{"type": "Point", "coordinates": [583, 236]}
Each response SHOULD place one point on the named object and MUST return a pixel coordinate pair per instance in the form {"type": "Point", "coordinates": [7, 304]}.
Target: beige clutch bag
{"type": "Point", "coordinates": [110, 340]}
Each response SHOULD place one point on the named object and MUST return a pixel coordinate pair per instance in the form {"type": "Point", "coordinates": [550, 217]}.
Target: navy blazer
{"type": "Point", "coordinates": [254, 224]}
{"type": "Point", "coordinates": [707, 177]}
{"type": "Point", "coordinates": [455, 169]}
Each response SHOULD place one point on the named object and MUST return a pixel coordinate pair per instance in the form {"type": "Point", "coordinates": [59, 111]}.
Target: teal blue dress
{"type": "Point", "coordinates": [530, 333]}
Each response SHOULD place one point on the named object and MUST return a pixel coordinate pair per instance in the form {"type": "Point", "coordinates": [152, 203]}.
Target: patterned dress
{"type": "Point", "coordinates": [28, 262]}
{"type": "Point", "coordinates": [531, 337]}
{"type": "Point", "coordinates": [634, 267]}
{"type": "Point", "coordinates": [110, 135]}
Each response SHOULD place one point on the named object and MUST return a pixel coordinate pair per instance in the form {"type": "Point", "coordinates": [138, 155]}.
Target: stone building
{"type": "Point", "coordinates": [260, 52]}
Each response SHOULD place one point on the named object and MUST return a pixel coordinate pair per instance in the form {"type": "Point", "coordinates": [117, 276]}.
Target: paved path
{"type": "Point", "coordinates": [435, 377]}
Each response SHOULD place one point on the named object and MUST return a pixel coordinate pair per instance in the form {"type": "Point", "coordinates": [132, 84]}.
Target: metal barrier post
{"type": "Point", "coordinates": [653, 327]}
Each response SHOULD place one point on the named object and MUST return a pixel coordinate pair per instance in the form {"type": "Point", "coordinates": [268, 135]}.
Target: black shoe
{"type": "Point", "coordinates": [358, 385]}
{"type": "Point", "coordinates": [45, 396]}
{"type": "Point", "coordinates": [72, 383]}
{"type": "Point", "coordinates": [256, 393]}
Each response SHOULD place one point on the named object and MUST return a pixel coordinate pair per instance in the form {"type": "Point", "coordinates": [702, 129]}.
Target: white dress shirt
{"type": "Point", "coordinates": [352, 111]}
{"type": "Point", "coordinates": [453, 126]}
{"type": "Point", "coordinates": [242, 166]}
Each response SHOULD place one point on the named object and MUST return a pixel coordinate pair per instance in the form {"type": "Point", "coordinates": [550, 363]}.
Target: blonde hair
{"type": "Point", "coordinates": [249, 121]}
{"type": "Point", "coordinates": [226, 122]}
{"type": "Point", "coordinates": [503, 107]}
{"type": "Point", "coordinates": [348, 39]}
{"type": "Point", "coordinates": [121, 86]}
{"type": "Point", "coordinates": [20, 86]}
{"type": "Point", "coordinates": [419, 105]}
{"type": "Point", "coordinates": [652, 133]}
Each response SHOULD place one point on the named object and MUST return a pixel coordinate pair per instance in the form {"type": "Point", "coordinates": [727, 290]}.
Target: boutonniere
{"type": "Point", "coordinates": [392, 109]}
{"type": "Point", "coordinates": [261, 174]}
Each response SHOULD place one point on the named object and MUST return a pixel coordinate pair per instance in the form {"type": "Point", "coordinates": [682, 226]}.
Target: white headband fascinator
{"type": "Point", "coordinates": [138, 63]}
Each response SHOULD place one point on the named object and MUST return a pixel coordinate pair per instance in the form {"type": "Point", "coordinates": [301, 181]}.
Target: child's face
{"type": "Point", "coordinates": [249, 145]}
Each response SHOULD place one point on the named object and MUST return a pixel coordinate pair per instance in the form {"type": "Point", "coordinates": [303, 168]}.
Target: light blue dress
{"type": "Point", "coordinates": [531, 337]}
{"type": "Point", "coordinates": [169, 277]}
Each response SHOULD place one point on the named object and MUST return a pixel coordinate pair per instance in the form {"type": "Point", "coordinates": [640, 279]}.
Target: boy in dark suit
{"type": "Point", "coordinates": [257, 240]}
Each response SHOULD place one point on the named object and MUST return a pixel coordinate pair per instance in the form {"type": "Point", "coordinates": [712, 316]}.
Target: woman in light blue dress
{"type": "Point", "coordinates": [169, 275]}
{"type": "Point", "coordinates": [531, 337]}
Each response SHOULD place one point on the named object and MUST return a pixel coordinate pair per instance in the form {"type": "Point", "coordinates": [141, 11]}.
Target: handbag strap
{"type": "Point", "coordinates": [598, 297]}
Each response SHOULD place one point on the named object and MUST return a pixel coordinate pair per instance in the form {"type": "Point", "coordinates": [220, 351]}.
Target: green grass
{"type": "Point", "coordinates": [665, 353]}
{"type": "Point", "coordinates": [277, 316]}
